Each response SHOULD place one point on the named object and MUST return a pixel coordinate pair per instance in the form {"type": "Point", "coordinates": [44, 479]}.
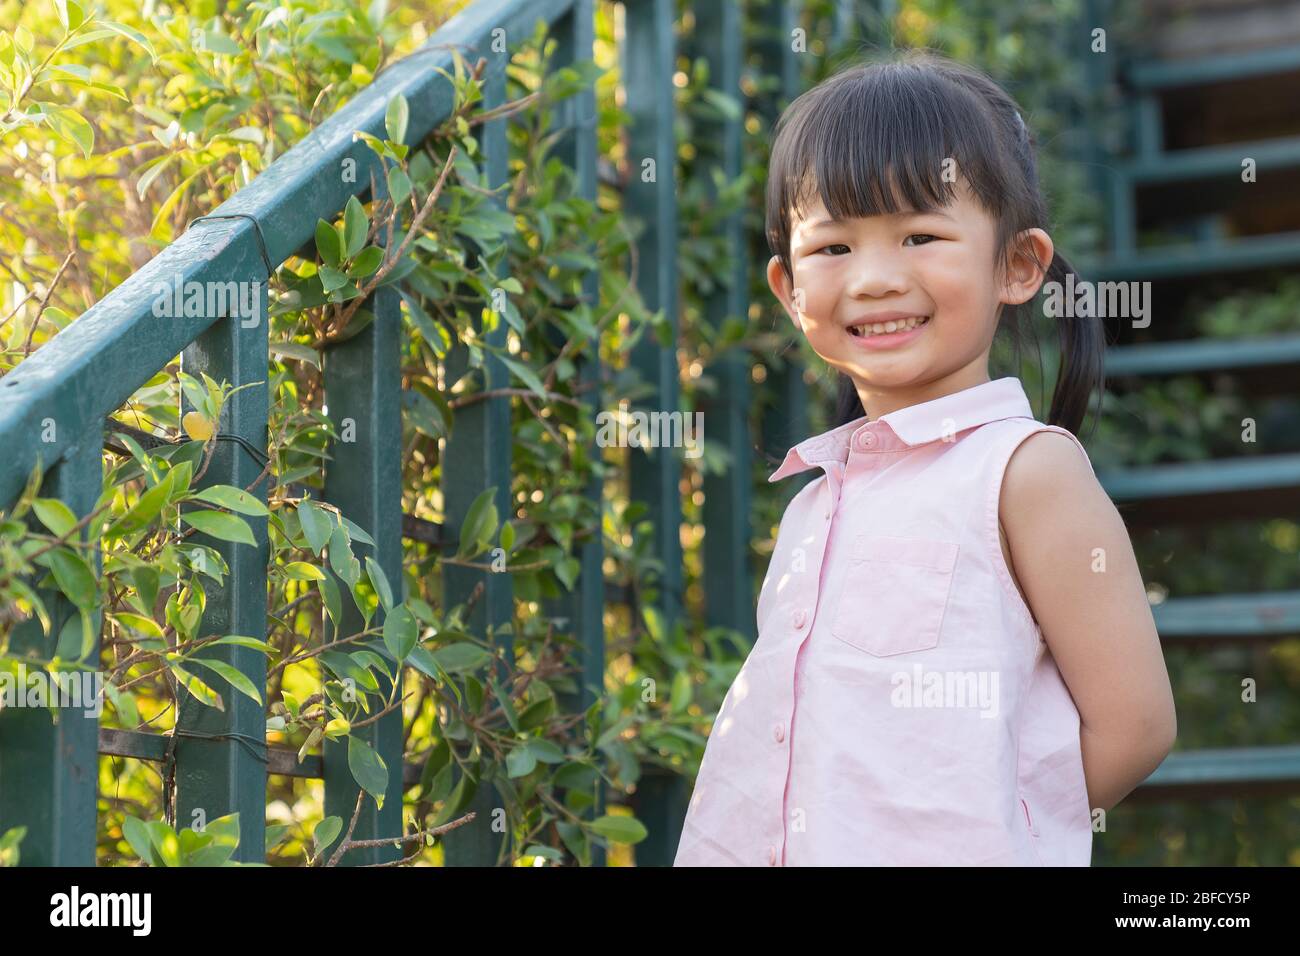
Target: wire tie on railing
{"type": "Point", "coordinates": [249, 743]}
{"type": "Point", "coordinates": [257, 231]}
{"type": "Point", "coordinates": [255, 453]}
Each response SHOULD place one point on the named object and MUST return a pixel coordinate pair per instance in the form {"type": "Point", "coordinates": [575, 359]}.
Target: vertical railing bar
{"type": "Point", "coordinates": [49, 770]}
{"type": "Point", "coordinates": [649, 68]}
{"type": "Point", "coordinates": [785, 417]}
{"type": "Point", "coordinates": [477, 456]}
{"type": "Point", "coordinates": [728, 597]}
{"type": "Point", "coordinates": [220, 756]}
{"type": "Point", "coordinates": [575, 33]}
{"type": "Point", "coordinates": [648, 54]}
{"type": "Point", "coordinates": [362, 392]}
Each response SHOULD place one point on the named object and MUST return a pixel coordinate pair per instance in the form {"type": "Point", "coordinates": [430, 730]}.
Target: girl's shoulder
{"type": "Point", "coordinates": [1048, 468]}
{"type": "Point", "coordinates": [1045, 454]}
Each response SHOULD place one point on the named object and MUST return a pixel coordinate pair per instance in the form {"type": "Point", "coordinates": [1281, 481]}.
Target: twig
{"type": "Point", "coordinates": [347, 837]}
{"type": "Point", "coordinates": [391, 261]}
{"type": "Point", "coordinates": [49, 292]}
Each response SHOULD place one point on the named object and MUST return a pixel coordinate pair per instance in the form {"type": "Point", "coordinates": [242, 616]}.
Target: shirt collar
{"type": "Point", "coordinates": [916, 424]}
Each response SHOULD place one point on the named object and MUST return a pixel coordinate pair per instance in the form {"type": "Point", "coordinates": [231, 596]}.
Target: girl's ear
{"type": "Point", "coordinates": [782, 288]}
{"type": "Point", "coordinates": [1031, 254]}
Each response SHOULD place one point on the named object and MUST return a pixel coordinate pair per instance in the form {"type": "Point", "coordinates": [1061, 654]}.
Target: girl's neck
{"type": "Point", "coordinates": [878, 401]}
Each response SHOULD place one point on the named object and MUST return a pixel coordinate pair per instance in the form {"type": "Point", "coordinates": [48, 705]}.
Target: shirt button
{"type": "Point", "coordinates": [867, 440]}
{"type": "Point", "coordinates": [799, 618]}
{"type": "Point", "coordinates": [779, 733]}
{"type": "Point", "coordinates": [771, 855]}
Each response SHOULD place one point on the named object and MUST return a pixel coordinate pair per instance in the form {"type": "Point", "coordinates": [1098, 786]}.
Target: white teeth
{"type": "Point", "coordinates": [886, 327]}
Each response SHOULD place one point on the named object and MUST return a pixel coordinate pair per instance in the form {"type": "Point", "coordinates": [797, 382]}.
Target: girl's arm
{"type": "Point", "coordinates": [1075, 563]}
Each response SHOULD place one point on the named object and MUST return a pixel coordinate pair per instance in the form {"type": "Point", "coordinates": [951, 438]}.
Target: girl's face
{"type": "Point", "coordinates": [937, 267]}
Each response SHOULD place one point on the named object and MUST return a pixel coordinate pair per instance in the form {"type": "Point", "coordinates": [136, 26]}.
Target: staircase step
{"type": "Point", "coordinates": [1203, 355]}
{"type": "Point", "coordinates": [1201, 491]}
{"type": "Point", "coordinates": [1229, 771]}
{"type": "Point", "coordinates": [1197, 260]}
{"type": "Point", "coordinates": [1202, 71]}
{"type": "Point", "coordinates": [1207, 161]}
{"type": "Point", "coordinates": [1261, 616]}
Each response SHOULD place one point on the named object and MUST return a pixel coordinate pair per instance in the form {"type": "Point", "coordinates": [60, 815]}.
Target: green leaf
{"type": "Point", "coordinates": [547, 751]}
{"type": "Point", "coordinates": [680, 697]}
{"type": "Point", "coordinates": [620, 829]}
{"type": "Point", "coordinates": [333, 600]}
{"type": "Point", "coordinates": [328, 245]}
{"type": "Point", "coordinates": [137, 837]}
{"type": "Point", "coordinates": [326, 832]}
{"type": "Point", "coordinates": [77, 638]}
{"type": "Point", "coordinates": [316, 524]}
{"type": "Point", "coordinates": [73, 575]}
{"type": "Point", "coordinates": [399, 185]}
{"type": "Point", "coordinates": [355, 227]}
{"type": "Point", "coordinates": [148, 507]}
{"type": "Point", "coordinates": [525, 374]}
{"type": "Point", "coordinates": [222, 526]}
{"type": "Point", "coordinates": [140, 624]}
{"type": "Point", "coordinates": [72, 126]}
{"type": "Point", "coordinates": [346, 667]}
{"type": "Point", "coordinates": [507, 705]}
{"type": "Point", "coordinates": [222, 838]}
{"type": "Point", "coordinates": [396, 117]}
{"type": "Point", "coordinates": [380, 582]}
{"type": "Point", "coordinates": [377, 145]}
{"type": "Point", "coordinates": [197, 687]}
{"type": "Point", "coordinates": [135, 36]}
{"type": "Point", "coordinates": [233, 675]}
{"type": "Point", "coordinates": [235, 499]}
{"type": "Point", "coordinates": [302, 571]}
{"type": "Point", "coordinates": [461, 656]}
{"type": "Point", "coordinates": [241, 641]}
{"type": "Point", "coordinates": [145, 580]}
{"type": "Point", "coordinates": [426, 664]}
{"type": "Point", "coordinates": [161, 217]}
{"type": "Point", "coordinates": [480, 524]}
{"type": "Point", "coordinates": [297, 351]}
{"type": "Point", "coordinates": [344, 563]}
{"type": "Point", "coordinates": [400, 632]}
{"type": "Point", "coordinates": [366, 262]}
{"type": "Point", "coordinates": [520, 762]}
{"type": "Point", "coordinates": [215, 42]}
{"type": "Point", "coordinates": [567, 571]}
{"type": "Point", "coordinates": [368, 769]}
{"type": "Point", "coordinates": [331, 279]}
{"type": "Point", "coordinates": [55, 515]}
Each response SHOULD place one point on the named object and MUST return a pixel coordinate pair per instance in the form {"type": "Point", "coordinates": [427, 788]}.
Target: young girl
{"type": "Point", "coordinates": [956, 661]}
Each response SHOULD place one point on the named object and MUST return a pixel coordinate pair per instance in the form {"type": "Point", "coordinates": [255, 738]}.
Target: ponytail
{"type": "Point", "coordinates": [1082, 365]}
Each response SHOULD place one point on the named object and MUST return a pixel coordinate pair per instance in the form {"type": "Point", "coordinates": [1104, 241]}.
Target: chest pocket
{"type": "Point", "coordinates": [895, 594]}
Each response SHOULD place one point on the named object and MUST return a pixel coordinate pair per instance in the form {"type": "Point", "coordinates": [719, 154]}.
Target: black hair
{"type": "Point", "coordinates": [873, 138]}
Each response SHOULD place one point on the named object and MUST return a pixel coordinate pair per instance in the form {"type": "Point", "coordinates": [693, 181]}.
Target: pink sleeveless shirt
{"type": "Point", "coordinates": [900, 706]}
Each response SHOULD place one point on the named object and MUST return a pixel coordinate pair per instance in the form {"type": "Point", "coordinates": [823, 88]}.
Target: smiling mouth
{"type": "Point", "coordinates": [885, 328]}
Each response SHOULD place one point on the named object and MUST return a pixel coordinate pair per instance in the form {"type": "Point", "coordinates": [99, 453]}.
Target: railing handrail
{"type": "Point", "coordinates": [77, 377]}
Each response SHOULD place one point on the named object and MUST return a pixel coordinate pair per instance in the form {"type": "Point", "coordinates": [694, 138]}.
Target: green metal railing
{"type": "Point", "coordinates": [221, 759]}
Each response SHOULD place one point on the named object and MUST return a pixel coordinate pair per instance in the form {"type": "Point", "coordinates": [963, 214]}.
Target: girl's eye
{"type": "Point", "coordinates": [925, 238]}
{"type": "Point", "coordinates": [836, 245]}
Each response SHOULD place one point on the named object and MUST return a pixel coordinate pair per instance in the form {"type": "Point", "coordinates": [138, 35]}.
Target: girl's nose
{"type": "Point", "coordinates": [875, 275]}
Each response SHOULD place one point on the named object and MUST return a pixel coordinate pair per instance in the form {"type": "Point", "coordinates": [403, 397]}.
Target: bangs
{"type": "Point", "coordinates": [884, 139]}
